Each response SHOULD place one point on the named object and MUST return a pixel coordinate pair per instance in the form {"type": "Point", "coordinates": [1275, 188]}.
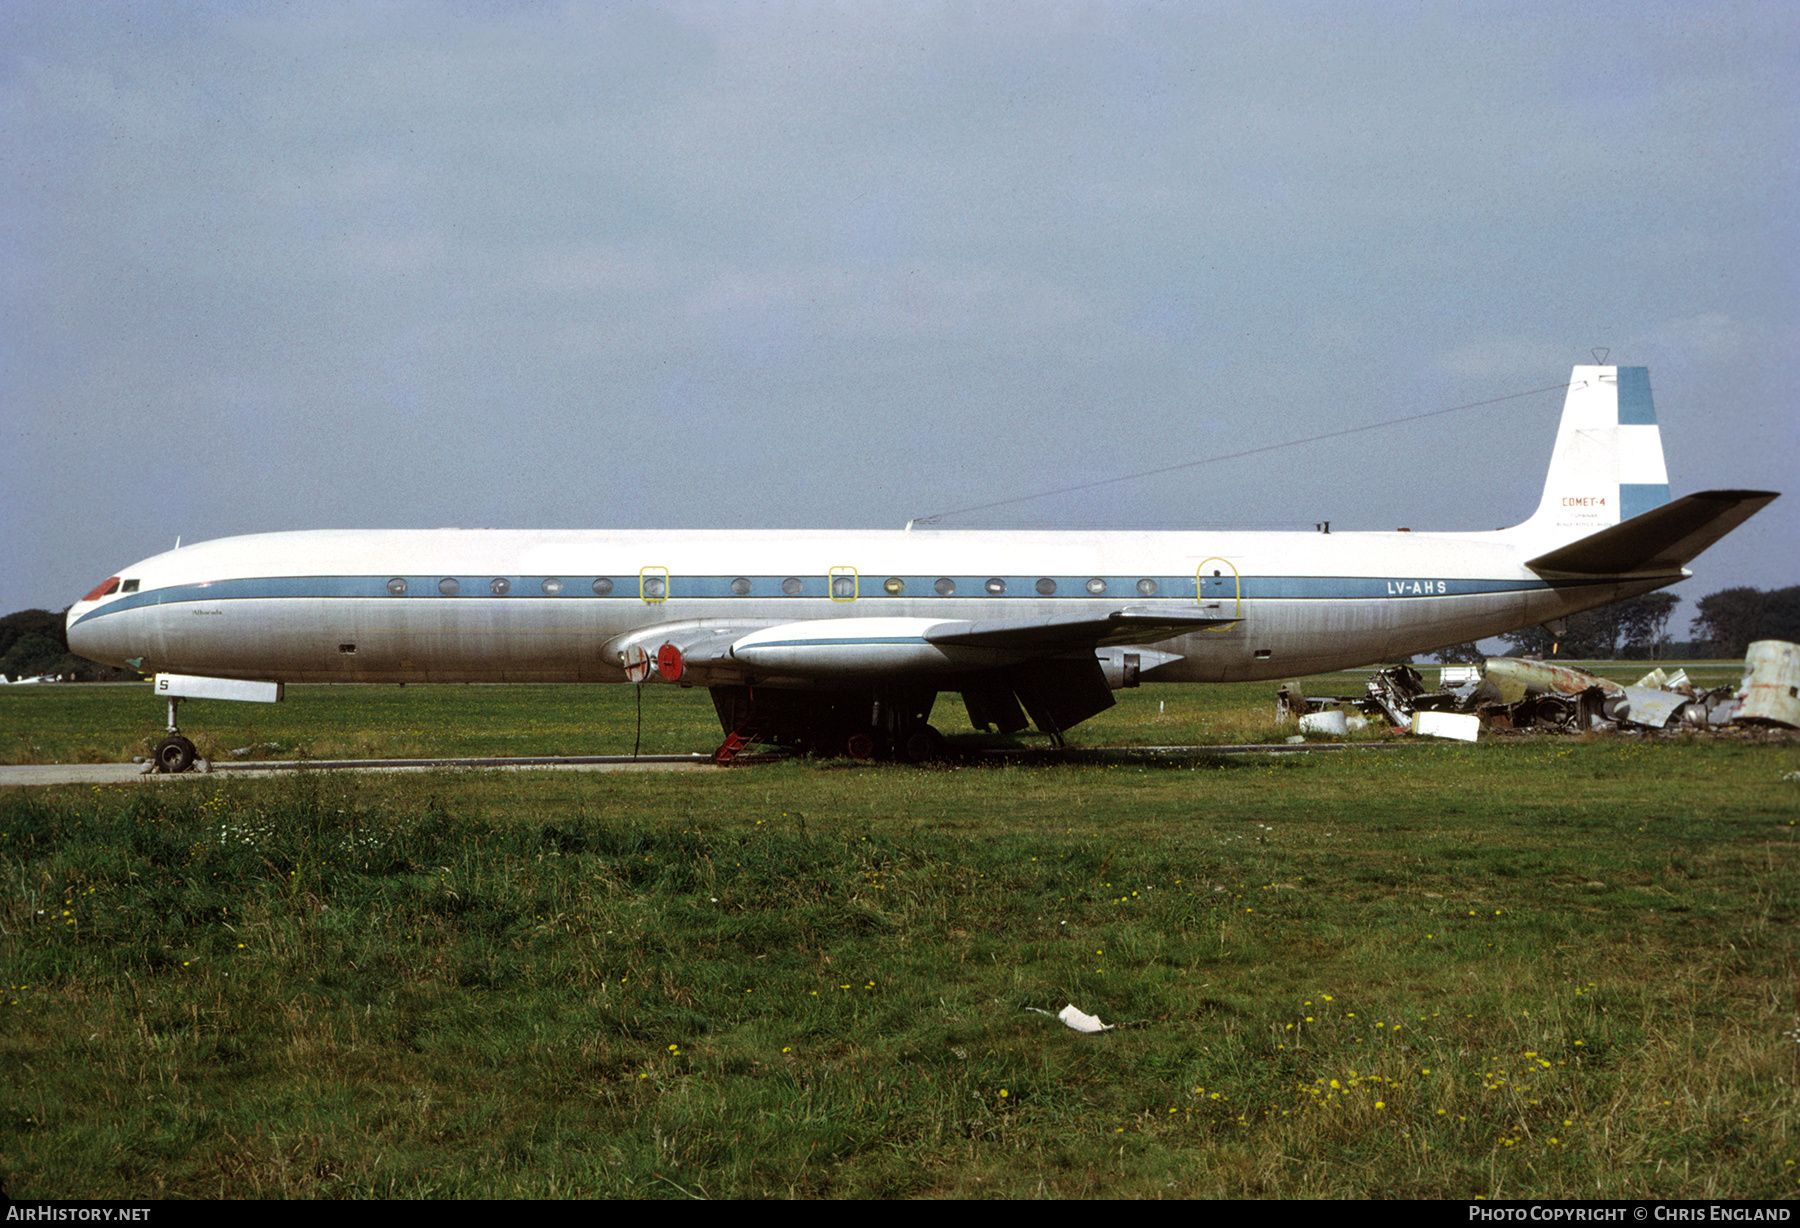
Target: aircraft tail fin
{"type": "Point", "coordinates": [1607, 467]}
{"type": "Point", "coordinates": [1663, 539]}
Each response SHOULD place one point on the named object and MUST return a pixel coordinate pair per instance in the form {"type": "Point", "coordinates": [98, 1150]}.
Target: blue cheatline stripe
{"type": "Point", "coordinates": [1364, 588]}
{"type": "Point", "coordinates": [1119, 590]}
{"type": "Point", "coordinates": [1636, 498]}
{"type": "Point", "coordinates": [1635, 408]}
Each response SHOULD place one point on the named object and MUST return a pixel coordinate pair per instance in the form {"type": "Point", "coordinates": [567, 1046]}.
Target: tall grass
{"type": "Point", "coordinates": [1551, 969]}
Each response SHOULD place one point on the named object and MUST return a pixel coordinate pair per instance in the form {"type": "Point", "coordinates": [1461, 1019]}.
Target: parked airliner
{"type": "Point", "coordinates": [840, 642]}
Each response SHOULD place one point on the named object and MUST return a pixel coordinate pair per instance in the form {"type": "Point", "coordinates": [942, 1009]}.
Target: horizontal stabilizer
{"type": "Point", "coordinates": [1663, 539]}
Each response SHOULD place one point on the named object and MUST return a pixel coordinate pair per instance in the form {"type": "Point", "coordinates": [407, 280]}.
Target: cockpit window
{"type": "Point", "coordinates": [105, 588]}
{"type": "Point", "coordinates": [130, 586]}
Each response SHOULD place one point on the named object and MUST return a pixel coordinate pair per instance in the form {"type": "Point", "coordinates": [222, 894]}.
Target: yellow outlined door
{"type": "Point", "coordinates": [1219, 588]}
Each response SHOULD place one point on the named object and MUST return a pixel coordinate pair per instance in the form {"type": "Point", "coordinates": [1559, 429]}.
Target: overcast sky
{"type": "Point", "coordinates": [691, 265]}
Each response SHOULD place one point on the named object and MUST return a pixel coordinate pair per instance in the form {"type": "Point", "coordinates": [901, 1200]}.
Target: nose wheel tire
{"type": "Point", "coordinates": [175, 754]}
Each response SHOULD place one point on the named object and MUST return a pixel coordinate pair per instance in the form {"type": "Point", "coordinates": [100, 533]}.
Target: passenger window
{"type": "Point", "coordinates": [1046, 587]}
{"type": "Point", "coordinates": [995, 587]}
{"type": "Point", "coordinates": [945, 586]}
{"type": "Point", "coordinates": [449, 586]}
{"type": "Point", "coordinates": [894, 586]}
{"type": "Point", "coordinates": [602, 587]}
{"type": "Point", "coordinates": [792, 586]}
{"type": "Point", "coordinates": [397, 586]}
{"type": "Point", "coordinates": [499, 587]}
{"type": "Point", "coordinates": [1146, 588]}
{"type": "Point", "coordinates": [551, 586]}
{"type": "Point", "coordinates": [740, 587]}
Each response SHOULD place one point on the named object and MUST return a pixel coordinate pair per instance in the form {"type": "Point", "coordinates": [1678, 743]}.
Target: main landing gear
{"type": "Point", "coordinates": [885, 724]}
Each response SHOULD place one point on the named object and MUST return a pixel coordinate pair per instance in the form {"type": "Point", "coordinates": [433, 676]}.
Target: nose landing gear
{"type": "Point", "coordinates": [175, 754]}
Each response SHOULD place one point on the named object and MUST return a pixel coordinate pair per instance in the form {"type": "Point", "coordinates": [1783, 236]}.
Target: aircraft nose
{"type": "Point", "coordinates": [97, 639]}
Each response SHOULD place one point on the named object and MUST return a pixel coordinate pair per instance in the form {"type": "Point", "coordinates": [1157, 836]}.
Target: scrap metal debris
{"type": "Point", "coordinates": [1515, 693]}
{"type": "Point", "coordinates": [1772, 684]}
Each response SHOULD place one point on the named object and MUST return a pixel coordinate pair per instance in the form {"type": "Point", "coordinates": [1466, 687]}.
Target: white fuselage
{"type": "Point", "coordinates": [513, 606]}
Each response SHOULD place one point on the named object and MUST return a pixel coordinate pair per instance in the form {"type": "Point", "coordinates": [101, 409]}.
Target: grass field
{"type": "Point", "coordinates": [1523, 968]}
{"type": "Point", "coordinates": [112, 723]}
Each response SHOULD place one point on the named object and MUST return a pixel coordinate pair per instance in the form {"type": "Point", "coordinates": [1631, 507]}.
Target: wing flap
{"type": "Point", "coordinates": [1068, 632]}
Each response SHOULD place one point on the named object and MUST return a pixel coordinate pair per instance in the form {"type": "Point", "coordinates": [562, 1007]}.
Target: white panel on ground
{"type": "Point", "coordinates": [1459, 725]}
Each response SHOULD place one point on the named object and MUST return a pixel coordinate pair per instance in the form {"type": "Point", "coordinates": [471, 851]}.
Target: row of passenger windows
{"type": "Point", "coordinates": [843, 587]}
{"type": "Point", "coordinates": [500, 586]}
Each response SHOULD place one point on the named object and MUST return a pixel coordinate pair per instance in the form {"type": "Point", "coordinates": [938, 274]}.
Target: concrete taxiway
{"type": "Point", "coordinates": [122, 773]}
{"type": "Point", "coordinates": [41, 774]}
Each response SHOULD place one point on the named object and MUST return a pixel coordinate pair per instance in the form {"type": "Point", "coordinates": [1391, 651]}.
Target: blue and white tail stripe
{"type": "Point", "coordinates": [1608, 462]}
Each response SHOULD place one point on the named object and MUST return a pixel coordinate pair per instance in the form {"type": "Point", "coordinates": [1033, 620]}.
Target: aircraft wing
{"type": "Point", "coordinates": [697, 650]}
{"type": "Point", "coordinates": [710, 652]}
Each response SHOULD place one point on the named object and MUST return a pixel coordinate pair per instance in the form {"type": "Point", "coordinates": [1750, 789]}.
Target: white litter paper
{"type": "Point", "coordinates": [1082, 1022]}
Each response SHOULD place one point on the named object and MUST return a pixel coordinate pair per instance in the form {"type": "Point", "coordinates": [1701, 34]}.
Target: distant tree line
{"type": "Point", "coordinates": [1732, 619]}
{"type": "Point", "coordinates": [1629, 630]}
{"type": "Point", "coordinates": [1725, 625]}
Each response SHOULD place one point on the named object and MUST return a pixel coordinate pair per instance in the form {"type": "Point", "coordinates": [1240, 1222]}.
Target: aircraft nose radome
{"type": "Point", "coordinates": [78, 634]}
{"type": "Point", "coordinates": [91, 639]}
